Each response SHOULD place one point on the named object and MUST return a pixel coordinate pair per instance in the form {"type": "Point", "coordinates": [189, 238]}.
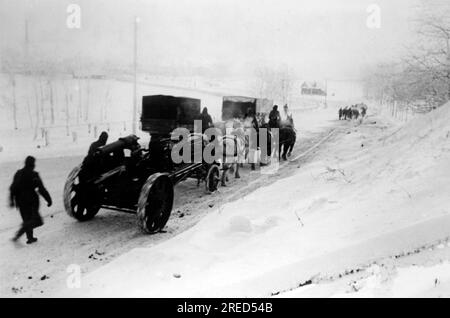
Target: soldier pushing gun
{"type": "Point", "coordinates": [23, 196]}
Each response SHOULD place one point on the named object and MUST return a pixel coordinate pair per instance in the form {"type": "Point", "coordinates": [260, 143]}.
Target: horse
{"type": "Point", "coordinates": [355, 113]}
{"type": "Point", "coordinates": [347, 113]}
{"type": "Point", "coordinates": [287, 138]}
{"type": "Point", "coordinates": [363, 108]}
{"type": "Point", "coordinates": [249, 147]}
{"type": "Point", "coordinates": [232, 144]}
{"type": "Point", "coordinates": [246, 150]}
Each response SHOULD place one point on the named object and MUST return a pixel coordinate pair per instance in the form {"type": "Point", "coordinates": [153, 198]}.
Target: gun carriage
{"type": "Point", "coordinates": [125, 177]}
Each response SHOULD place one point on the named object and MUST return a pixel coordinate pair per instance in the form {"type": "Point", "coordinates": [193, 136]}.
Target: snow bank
{"type": "Point", "coordinates": [418, 271]}
{"type": "Point", "coordinates": [425, 280]}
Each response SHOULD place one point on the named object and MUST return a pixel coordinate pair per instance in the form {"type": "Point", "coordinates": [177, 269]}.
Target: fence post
{"type": "Point", "coordinates": [46, 137]}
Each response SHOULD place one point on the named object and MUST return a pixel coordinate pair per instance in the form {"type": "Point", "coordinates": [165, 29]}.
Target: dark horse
{"type": "Point", "coordinates": [287, 138]}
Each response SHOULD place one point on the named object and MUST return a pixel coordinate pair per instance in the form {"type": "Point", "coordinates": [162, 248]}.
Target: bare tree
{"type": "Point", "coordinates": [42, 95]}
{"type": "Point", "coordinates": [104, 115]}
{"type": "Point", "coordinates": [430, 59]}
{"type": "Point", "coordinates": [88, 96]}
{"type": "Point", "coordinates": [14, 104]}
{"type": "Point", "coordinates": [10, 67]}
{"type": "Point", "coordinates": [423, 74]}
{"type": "Point", "coordinates": [52, 101]}
{"type": "Point", "coordinates": [30, 114]}
{"type": "Point", "coordinates": [67, 108]}
{"type": "Point", "coordinates": [49, 72]}
{"type": "Point", "coordinates": [80, 102]}
{"type": "Point", "coordinates": [37, 121]}
{"type": "Point", "coordinates": [274, 83]}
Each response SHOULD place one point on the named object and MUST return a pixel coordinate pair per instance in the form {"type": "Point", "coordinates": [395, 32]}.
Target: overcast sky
{"type": "Point", "coordinates": [314, 38]}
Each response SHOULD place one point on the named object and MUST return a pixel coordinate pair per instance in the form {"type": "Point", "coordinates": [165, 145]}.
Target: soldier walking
{"type": "Point", "coordinates": [206, 120]}
{"type": "Point", "coordinates": [286, 112]}
{"type": "Point", "coordinates": [23, 196]}
{"type": "Point", "coordinates": [274, 118]}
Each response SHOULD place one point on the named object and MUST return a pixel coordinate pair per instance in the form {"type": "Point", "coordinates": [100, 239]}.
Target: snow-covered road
{"type": "Point", "coordinates": [41, 269]}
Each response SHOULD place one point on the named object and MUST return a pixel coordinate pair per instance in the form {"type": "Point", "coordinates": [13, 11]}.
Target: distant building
{"type": "Point", "coordinates": [313, 88]}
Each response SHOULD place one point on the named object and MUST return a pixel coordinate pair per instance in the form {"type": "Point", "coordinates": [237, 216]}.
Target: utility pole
{"type": "Point", "coordinates": [448, 67]}
{"type": "Point", "coordinates": [136, 21]}
{"type": "Point", "coordinates": [27, 45]}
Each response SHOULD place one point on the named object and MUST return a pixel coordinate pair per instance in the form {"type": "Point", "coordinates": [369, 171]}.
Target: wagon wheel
{"type": "Point", "coordinates": [155, 203]}
{"type": "Point", "coordinates": [72, 198]}
{"type": "Point", "coordinates": [212, 179]}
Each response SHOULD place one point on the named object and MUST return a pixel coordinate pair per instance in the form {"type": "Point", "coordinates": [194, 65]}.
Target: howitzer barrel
{"type": "Point", "coordinates": [128, 142]}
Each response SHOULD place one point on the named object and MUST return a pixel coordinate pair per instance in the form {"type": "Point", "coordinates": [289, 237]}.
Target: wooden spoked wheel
{"type": "Point", "coordinates": [155, 203]}
{"type": "Point", "coordinates": [212, 179]}
{"type": "Point", "coordinates": [76, 203]}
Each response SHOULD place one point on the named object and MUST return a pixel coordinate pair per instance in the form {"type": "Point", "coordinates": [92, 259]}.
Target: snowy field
{"type": "Point", "coordinates": [375, 192]}
{"type": "Point", "coordinates": [92, 106]}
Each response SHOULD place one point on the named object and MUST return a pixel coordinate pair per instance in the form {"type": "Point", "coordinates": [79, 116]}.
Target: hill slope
{"type": "Point", "coordinates": [375, 191]}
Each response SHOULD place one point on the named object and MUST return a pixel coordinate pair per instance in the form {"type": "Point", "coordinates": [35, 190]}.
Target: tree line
{"type": "Point", "coordinates": [422, 74]}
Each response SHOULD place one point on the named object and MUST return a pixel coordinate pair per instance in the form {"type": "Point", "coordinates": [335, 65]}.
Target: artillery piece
{"type": "Point", "coordinates": [142, 182]}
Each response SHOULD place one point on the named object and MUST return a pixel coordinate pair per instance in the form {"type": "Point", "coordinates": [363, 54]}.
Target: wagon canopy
{"type": "Point", "coordinates": [237, 106]}
{"type": "Point", "coordinates": [161, 114]}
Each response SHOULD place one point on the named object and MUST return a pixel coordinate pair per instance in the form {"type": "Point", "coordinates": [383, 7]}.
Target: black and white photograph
{"type": "Point", "coordinates": [224, 149]}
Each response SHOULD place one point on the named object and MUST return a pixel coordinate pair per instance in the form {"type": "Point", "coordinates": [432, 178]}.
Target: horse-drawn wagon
{"type": "Point", "coordinates": [251, 112]}
{"type": "Point", "coordinates": [142, 181]}
{"type": "Point", "coordinates": [236, 107]}
{"type": "Point", "coordinates": [241, 114]}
